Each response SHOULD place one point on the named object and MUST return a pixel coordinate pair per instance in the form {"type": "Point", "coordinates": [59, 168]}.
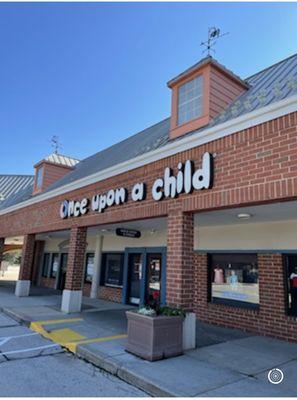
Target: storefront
{"type": "Point", "coordinates": [197, 211]}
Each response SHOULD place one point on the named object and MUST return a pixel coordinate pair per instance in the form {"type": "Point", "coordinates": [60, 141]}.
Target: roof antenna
{"type": "Point", "coordinates": [213, 34]}
{"type": "Point", "coordinates": [55, 143]}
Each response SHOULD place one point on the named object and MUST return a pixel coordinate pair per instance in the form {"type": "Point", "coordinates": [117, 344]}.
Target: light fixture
{"type": "Point", "coordinates": [152, 231]}
{"type": "Point", "coordinates": [244, 216]}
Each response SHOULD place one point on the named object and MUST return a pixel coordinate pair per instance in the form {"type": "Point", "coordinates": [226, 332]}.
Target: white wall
{"type": "Point", "coordinates": [281, 235]}
{"type": "Point", "coordinates": [115, 243]}
{"type": "Point", "coordinates": [248, 236]}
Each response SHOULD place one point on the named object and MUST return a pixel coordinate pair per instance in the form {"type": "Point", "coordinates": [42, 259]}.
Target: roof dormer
{"type": "Point", "coordinates": [50, 169]}
{"type": "Point", "coordinates": [201, 93]}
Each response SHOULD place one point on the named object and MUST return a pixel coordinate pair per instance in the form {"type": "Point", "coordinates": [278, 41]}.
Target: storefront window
{"type": "Point", "coordinates": [54, 265]}
{"type": "Point", "coordinates": [291, 280]}
{"type": "Point", "coordinates": [112, 269]}
{"type": "Point", "coordinates": [89, 267]}
{"type": "Point", "coordinates": [45, 265]}
{"type": "Point", "coordinates": [234, 279]}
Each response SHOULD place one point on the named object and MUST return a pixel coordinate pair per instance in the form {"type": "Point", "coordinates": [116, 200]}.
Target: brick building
{"type": "Point", "coordinates": [198, 210]}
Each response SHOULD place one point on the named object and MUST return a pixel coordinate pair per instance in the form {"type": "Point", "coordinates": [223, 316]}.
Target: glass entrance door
{"type": "Point", "coordinates": [153, 287]}
{"type": "Point", "coordinates": [135, 274]}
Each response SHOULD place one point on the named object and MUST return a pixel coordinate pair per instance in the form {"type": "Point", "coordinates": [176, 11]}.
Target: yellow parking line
{"type": "Point", "coordinates": [68, 337]}
{"type": "Point", "coordinates": [71, 346]}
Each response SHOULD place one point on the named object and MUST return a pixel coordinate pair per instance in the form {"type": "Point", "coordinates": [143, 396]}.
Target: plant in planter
{"type": "Point", "coordinates": [155, 332]}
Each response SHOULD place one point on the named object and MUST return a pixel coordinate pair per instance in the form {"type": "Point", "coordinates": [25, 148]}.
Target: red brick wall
{"type": "Point", "coordinates": [47, 282]}
{"type": "Point", "coordinates": [257, 165]}
{"type": "Point", "coordinates": [76, 258]}
{"type": "Point", "coordinates": [110, 293]}
{"type": "Point", "coordinates": [269, 320]}
{"type": "Point", "coordinates": [104, 292]}
{"type": "Point", "coordinates": [27, 257]}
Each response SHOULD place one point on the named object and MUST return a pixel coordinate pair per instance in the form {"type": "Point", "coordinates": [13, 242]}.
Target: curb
{"type": "Point", "coordinates": [10, 313]}
{"type": "Point", "coordinates": [109, 365]}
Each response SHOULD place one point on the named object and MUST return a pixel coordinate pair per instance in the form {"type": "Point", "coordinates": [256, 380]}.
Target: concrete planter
{"type": "Point", "coordinates": [154, 338]}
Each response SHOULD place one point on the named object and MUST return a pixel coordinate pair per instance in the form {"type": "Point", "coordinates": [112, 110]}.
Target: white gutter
{"type": "Point", "coordinates": [245, 121]}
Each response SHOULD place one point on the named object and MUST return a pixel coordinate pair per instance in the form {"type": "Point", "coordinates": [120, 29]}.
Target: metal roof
{"type": "Point", "coordinates": [12, 184]}
{"type": "Point", "coordinates": [199, 64]}
{"type": "Point", "coordinates": [62, 160]}
{"type": "Point", "coordinates": [273, 84]}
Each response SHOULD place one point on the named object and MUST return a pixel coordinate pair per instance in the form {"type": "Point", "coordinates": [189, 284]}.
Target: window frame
{"type": "Point", "coordinates": [103, 277]}
{"type": "Point", "coordinates": [228, 302]}
{"type": "Point", "coordinates": [185, 102]}
{"type": "Point", "coordinates": [88, 254]}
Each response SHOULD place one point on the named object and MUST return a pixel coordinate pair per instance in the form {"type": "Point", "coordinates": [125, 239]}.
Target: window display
{"type": "Point", "coordinates": [234, 279]}
{"type": "Point", "coordinates": [112, 269]}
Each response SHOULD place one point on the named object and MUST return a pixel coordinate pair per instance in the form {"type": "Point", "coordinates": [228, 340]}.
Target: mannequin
{"type": "Point", "coordinates": [293, 287]}
{"type": "Point", "coordinates": [218, 275]}
{"type": "Point", "coordinates": [233, 280]}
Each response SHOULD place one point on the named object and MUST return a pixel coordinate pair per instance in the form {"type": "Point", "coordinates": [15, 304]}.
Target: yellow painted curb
{"type": "Point", "coordinates": [66, 335]}
{"type": "Point", "coordinates": [57, 321]}
{"type": "Point", "coordinates": [73, 346]}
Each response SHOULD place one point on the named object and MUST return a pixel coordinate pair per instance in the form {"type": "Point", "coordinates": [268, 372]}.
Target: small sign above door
{"type": "Point", "coordinates": [131, 233]}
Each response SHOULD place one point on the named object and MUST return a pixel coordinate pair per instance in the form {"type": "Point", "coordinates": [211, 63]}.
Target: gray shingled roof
{"type": "Point", "coordinates": [275, 83]}
{"type": "Point", "coordinates": [12, 184]}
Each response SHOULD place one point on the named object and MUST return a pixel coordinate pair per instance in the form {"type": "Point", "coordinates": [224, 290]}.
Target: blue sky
{"type": "Point", "coordinates": [96, 73]}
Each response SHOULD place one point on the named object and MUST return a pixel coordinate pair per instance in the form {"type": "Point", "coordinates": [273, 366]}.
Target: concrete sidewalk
{"type": "Point", "coordinates": [227, 362]}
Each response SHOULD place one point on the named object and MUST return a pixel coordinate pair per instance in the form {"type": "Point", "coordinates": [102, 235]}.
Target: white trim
{"type": "Point", "coordinates": [238, 124]}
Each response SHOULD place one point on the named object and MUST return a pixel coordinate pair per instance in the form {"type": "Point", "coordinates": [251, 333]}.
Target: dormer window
{"type": "Point", "coordinates": [190, 100]}
{"type": "Point", "coordinates": [39, 178]}
{"type": "Point", "coordinates": [201, 93]}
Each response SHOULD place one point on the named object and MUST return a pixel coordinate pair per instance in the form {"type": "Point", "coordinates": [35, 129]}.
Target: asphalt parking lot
{"type": "Point", "coordinates": [31, 365]}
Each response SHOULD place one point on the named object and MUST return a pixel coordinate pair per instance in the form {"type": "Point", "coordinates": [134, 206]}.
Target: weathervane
{"type": "Point", "coordinates": [213, 34]}
{"type": "Point", "coordinates": [55, 143]}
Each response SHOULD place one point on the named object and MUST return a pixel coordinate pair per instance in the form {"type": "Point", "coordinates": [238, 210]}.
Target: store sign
{"type": "Point", "coordinates": [186, 180]}
{"type": "Point", "coordinates": [131, 233]}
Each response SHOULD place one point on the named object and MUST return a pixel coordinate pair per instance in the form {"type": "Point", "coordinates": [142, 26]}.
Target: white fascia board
{"type": "Point", "coordinates": [238, 124]}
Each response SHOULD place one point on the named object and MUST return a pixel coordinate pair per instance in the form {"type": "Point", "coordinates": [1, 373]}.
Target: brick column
{"type": "Point", "coordinates": [179, 270]}
{"type": "Point", "coordinates": [23, 283]}
{"type": "Point", "coordinates": [37, 262]}
{"type": "Point", "coordinates": [2, 242]}
{"type": "Point", "coordinates": [72, 294]}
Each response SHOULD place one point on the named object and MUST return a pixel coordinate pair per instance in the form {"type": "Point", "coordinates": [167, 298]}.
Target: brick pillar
{"type": "Point", "coordinates": [23, 283]}
{"type": "Point", "coordinates": [179, 270]}
{"type": "Point", "coordinates": [37, 262]}
{"type": "Point", "coordinates": [72, 294]}
{"type": "Point", "coordinates": [273, 319]}
{"type": "Point", "coordinates": [2, 242]}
